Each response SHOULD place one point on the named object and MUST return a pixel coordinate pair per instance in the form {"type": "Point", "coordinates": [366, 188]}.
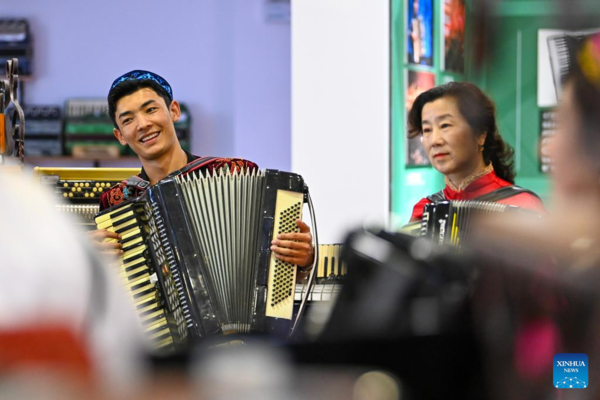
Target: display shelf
{"type": "Point", "coordinates": [41, 161]}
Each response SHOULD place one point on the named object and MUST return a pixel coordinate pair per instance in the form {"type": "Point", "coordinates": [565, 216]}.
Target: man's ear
{"type": "Point", "coordinates": [119, 137]}
{"type": "Point", "coordinates": [175, 110]}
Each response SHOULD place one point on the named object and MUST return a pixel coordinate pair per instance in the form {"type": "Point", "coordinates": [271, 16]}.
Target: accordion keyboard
{"type": "Point", "coordinates": [136, 275]}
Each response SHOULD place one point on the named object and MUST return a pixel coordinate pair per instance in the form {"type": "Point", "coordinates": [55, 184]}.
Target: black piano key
{"type": "Point", "coordinates": [134, 257]}
{"type": "Point", "coordinates": [155, 304]}
{"type": "Point", "coordinates": [155, 319]}
{"type": "Point", "coordinates": [141, 263]}
{"type": "Point", "coordinates": [133, 246]}
{"type": "Point", "coordinates": [126, 225]}
{"type": "Point", "coordinates": [138, 274]}
{"type": "Point", "coordinates": [143, 293]}
{"type": "Point", "coordinates": [165, 335]}
{"type": "Point", "coordinates": [140, 285]}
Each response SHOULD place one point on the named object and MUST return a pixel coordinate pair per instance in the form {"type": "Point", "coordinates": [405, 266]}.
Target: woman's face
{"type": "Point", "coordinates": [573, 172]}
{"type": "Point", "coordinates": [450, 143]}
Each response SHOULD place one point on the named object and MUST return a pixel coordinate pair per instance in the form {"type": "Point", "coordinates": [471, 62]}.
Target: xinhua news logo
{"type": "Point", "coordinates": [571, 371]}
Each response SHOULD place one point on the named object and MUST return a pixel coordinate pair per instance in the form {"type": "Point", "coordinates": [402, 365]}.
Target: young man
{"type": "Point", "coordinates": [141, 106]}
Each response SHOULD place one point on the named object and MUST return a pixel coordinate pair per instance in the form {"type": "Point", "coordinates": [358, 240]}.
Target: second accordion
{"type": "Point", "coordinates": [452, 222]}
{"type": "Point", "coordinates": [197, 259]}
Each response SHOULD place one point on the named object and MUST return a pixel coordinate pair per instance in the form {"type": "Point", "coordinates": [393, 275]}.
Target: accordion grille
{"type": "Point", "coordinates": [284, 274]}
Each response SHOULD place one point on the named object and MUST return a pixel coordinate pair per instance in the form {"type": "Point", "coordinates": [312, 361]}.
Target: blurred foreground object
{"type": "Point", "coordinates": [487, 323]}
{"type": "Point", "coordinates": [61, 310]}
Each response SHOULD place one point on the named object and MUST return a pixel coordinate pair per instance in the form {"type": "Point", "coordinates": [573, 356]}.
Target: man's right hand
{"type": "Point", "coordinates": [106, 241]}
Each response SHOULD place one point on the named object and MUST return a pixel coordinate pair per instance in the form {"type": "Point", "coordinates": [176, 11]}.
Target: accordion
{"type": "Point", "coordinates": [451, 222]}
{"type": "Point", "coordinates": [197, 259]}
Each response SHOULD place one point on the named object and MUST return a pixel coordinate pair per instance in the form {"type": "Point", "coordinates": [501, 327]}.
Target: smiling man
{"type": "Point", "coordinates": [142, 108]}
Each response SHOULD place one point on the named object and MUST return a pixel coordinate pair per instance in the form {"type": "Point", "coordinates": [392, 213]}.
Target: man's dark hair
{"type": "Point", "coordinates": [129, 87]}
{"type": "Point", "coordinates": [480, 113]}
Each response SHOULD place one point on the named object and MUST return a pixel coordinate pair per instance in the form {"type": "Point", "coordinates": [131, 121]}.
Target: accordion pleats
{"type": "Point", "coordinates": [225, 209]}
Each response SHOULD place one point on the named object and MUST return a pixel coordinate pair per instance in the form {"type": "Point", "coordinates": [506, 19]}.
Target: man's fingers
{"type": "Point", "coordinates": [288, 259]}
{"type": "Point", "coordinates": [110, 245]}
{"type": "Point", "coordinates": [101, 234]}
{"type": "Point", "coordinates": [301, 237]}
{"type": "Point", "coordinates": [288, 252]}
{"type": "Point", "coordinates": [292, 245]}
{"type": "Point", "coordinates": [303, 227]}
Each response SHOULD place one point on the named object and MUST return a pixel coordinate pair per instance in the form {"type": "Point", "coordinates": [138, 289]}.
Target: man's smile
{"type": "Point", "coordinates": [149, 137]}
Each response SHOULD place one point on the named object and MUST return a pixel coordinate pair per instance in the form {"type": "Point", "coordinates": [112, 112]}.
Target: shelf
{"type": "Point", "coordinates": [92, 161]}
{"type": "Point", "coordinates": [78, 159]}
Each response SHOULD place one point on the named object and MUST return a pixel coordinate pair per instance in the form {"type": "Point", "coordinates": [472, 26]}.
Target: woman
{"type": "Point", "coordinates": [457, 124]}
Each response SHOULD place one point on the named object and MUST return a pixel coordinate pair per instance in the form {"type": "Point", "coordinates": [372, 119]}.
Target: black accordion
{"type": "Point", "coordinates": [197, 259]}
{"type": "Point", "coordinates": [451, 222]}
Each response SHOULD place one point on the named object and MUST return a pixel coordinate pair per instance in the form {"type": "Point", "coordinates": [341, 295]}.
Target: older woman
{"type": "Point", "coordinates": [457, 125]}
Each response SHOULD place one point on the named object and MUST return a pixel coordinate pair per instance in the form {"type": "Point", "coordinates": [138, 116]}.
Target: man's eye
{"type": "Point", "coordinates": [444, 126]}
{"type": "Point", "coordinates": [152, 109]}
{"type": "Point", "coordinates": [126, 121]}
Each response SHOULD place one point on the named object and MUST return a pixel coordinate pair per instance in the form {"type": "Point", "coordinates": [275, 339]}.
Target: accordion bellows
{"type": "Point", "coordinates": [206, 252]}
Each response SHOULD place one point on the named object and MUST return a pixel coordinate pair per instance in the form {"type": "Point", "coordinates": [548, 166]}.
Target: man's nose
{"type": "Point", "coordinates": [143, 121]}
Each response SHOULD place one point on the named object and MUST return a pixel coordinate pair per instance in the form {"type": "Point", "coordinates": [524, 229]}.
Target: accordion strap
{"type": "Point", "coordinates": [194, 165]}
{"type": "Point", "coordinates": [504, 193]}
{"type": "Point", "coordinates": [137, 182]}
{"type": "Point", "coordinates": [143, 184]}
{"type": "Point", "coordinates": [437, 197]}
{"type": "Point", "coordinates": [496, 195]}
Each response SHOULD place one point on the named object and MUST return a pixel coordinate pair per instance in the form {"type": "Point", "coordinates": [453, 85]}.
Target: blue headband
{"type": "Point", "coordinates": [139, 75]}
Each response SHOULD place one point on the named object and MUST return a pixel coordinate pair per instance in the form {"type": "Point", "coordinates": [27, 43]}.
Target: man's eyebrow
{"type": "Point", "coordinates": [124, 113]}
{"type": "Point", "coordinates": [147, 103]}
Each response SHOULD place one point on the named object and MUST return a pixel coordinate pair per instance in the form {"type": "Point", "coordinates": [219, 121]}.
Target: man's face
{"type": "Point", "coordinates": [146, 123]}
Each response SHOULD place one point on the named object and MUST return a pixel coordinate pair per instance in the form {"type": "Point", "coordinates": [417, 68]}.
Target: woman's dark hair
{"type": "Point", "coordinates": [480, 113]}
{"type": "Point", "coordinates": [129, 87]}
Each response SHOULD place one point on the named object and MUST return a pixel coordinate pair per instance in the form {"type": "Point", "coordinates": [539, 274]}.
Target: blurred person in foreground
{"type": "Point", "coordinates": [65, 322]}
{"type": "Point", "coordinates": [541, 275]}
{"type": "Point", "coordinates": [457, 126]}
{"type": "Point", "coordinates": [571, 227]}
